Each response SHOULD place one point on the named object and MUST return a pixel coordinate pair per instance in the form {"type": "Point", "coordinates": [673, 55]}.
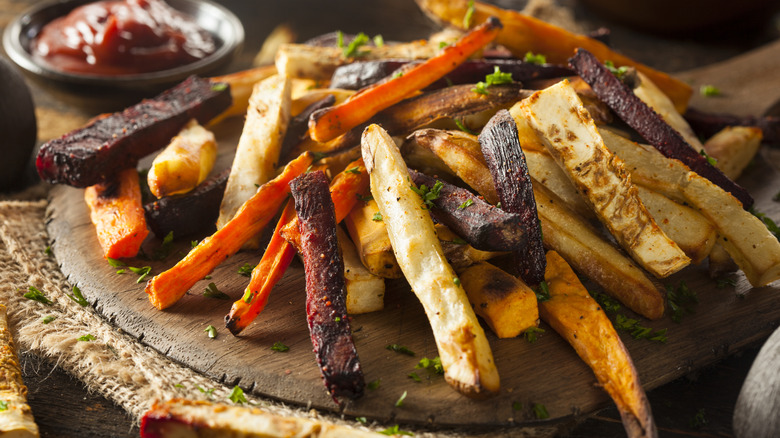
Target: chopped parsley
{"type": "Point", "coordinates": [374, 384]}
{"type": "Point", "coordinates": [379, 41]}
{"type": "Point", "coordinates": [542, 291]}
{"type": "Point", "coordinates": [114, 263]}
{"type": "Point", "coordinates": [722, 282]}
{"type": "Point", "coordinates": [709, 91]}
{"type": "Point", "coordinates": [47, 251]}
{"type": "Point", "coordinates": [212, 292]}
{"type": "Point", "coordinates": [459, 241]}
{"type": "Point", "coordinates": [770, 224]}
{"type": "Point", "coordinates": [619, 72]}
{"type": "Point", "coordinates": [466, 203]}
{"type": "Point", "coordinates": [400, 349]}
{"type": "Point", "coordinates": [496, 78]}
{"type": "Point", "coordinates": [355, 170]}
{"type": "Point", "coordinates": [443, 44]}
{"type": "Point", "coordinates": [428, 195]}
{"type": "Point", "coordinates": [278, 346]}
{"type": "Point", "coordinates": [456, 280]}
{"type": "Point", "coordinates": [377, 217]}
{"type": "Point", "coordinates": [77, 297]}
{"type": "Point", "coordinates": [165, 248]}
{"type": "Point", "coordinates": [469, 15]}
{"type": "Point", "coordinates": [3, 405]}
{"type": "Point", "coordinates": [208, 392]}
{"type": "Point", "coordinates": [237, 395]}
{"type": "Point", "coordinates": [353, 48]}
{"type": "Point", "coordinates": [248, 295]}
{"type": "Point", "coordinates": [414, 377]}
{"type": "Point", "coordinates": [398, 74]}
{"type": "Point", "coordinates": [400, 401]}
{"type": "Point", "coordinates": [681, 300]}
{"type": "Point", "coordinates": [531, 334]}
{"type": "Point", "coordinates": [48, 319]}
{"type": "Point", "coordinates": [517, 406]}
{"type": "Point", "coordinates": [142, 272]}
{"type": "Point", "coordinates": [361, 420]}
{"type": "Point", "coordinates": [337, 319]}
{"type": "Point", "coordinates": [609, 304]}
{"type": "Point", "coordinates": [395, 430]}
{"type": "Point", "coordinates": [463, 127]}
{"type": "Point", "coordinates": [36, 295]}
{"type": "Point", "coordinates": [428, 364]}
{"type": "Point", "coordinates": [535, 58]}
{"type": "Point", "coordinates": [219, 86]}
{"type": "Point", "coordinates": [194, 243]}
{"type": "Point", "coordinates": [87, 338]}
{"type": "Point", "coordinates": [211, 331]}
{"type": "Point", "coordinates": [246, 270]}
{"type": "Point", "coordinates": [364, 198]}
{"type": "Point", "coordinates": [540, 411]}
{"type": "Point", "coordinates": [638, 331]}
{"type": "Point", "coordinates": [713, 161]}
{"type": "Point", "coordinates": [699, 420]}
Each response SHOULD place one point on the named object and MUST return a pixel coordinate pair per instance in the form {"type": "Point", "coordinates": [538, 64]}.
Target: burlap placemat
{"type": "Point", "coordinates": [114, 364]}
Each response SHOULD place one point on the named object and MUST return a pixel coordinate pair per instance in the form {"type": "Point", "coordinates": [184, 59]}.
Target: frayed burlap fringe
{"type": "Point", "coordinates": [114, 364]}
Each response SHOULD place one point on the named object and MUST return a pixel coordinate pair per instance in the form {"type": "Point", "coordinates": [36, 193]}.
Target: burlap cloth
{"type": "Point", "coordinates": [115, 365]}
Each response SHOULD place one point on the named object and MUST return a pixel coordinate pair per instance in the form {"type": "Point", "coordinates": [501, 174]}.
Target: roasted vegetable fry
{"type": "Point", "coordinates": [16, 419]}
{"type": "Point", "coordinates": [505, 159]}
{"type": "Point", "coordinates": [734, 148]}
{"type": "Point", "coordinates": [649, 124]}
{"type": "Point", "coordinates": [573, 140]}
{"type": "Point", "coordinates": [168, 287]}
{"type": "Point", "coordinates": [116, 210]}
{"type": "Point", "coordinates": [184, 163]}
{"type": "Point", "coordinates": [258, 148]}
{"type": "Point", "coordinates": [460, 254]}
{"type": "Point", "coordinates": [577, 317]}
{"type": "Point", "coordinates": [504, 302]}
{"type": "Point", "coordinates": [326, 290]}
{"type": "Point", "coordinates": [365, 291]}
{"type": "Point", "coordinates": [369, 234]}
{"type": "Point", "coordinates": [331, 122]}
{"type": "Point", "coordinates": [465, 354]}
{"type": "Point", "coordinates": [524, 34]}
{"type": "Point", "coordinates": [755, 250]}
{"type": "Point", "coordinates": [544, 169]}
{"type": "Point", "coordinates": [241, 85]}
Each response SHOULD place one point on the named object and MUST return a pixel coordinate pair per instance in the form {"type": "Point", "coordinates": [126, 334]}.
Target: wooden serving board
{"type": "Point", "coordinates": [547, 372]}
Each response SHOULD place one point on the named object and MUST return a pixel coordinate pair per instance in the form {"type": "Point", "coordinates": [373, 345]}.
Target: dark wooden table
{"type": "Point", "coordinates": [700, 404]}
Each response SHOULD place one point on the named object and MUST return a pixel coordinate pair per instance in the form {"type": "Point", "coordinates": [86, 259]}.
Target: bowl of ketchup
{"type": "Point", "coordinates": [124, 43]}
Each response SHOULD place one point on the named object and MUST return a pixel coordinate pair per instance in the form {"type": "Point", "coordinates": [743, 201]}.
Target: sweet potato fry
{"type": "Point", "coordinates": [168, 287]}
{"type": "Point", "coordinates": [116, 210]}
{"type": "Point", "coordinates": [331, 122]}
{"type": "Point", "coordinates": [579, 319]}
{"type": "Point", "coordinates": [522, 34]}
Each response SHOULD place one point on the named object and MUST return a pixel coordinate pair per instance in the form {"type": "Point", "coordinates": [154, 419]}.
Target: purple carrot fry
{"type": "Point", "coordinates": [326, 290]}
{"type": "Point", "coordinates": [506, 161]}
{"type": "Point", "coordinates": [638, 115]}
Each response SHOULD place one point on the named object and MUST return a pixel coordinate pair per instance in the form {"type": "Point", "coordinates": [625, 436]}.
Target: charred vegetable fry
{"type": "Point", "coordinates": [258, 148]}
{"type": "Point", "coordinates": [16, 420]}
{"type": "Point", "coordinates": [504, 302]}
{"type": "Point", "coordinates": [465, 354]}
{"type": "Point", "coordinates": [505, 159]}
{"type": "Point", "coordinates": [167, 288]}
{"type": "Point", "coordinates": [116, 210]}
{"type": "Point", "coordinates": [649, 124]}
{"type": "Point", "coordinates": [326, 291]}
{"type": "Point", "coordinates": [572, 138]}
{"type": "Point", "coordinates": [580, 320]}
{"type": "Point", "coordinates": [523, 34]}
{"type": "Point", "coordinates": [329, 123]}
{"type": "Point", "coordinates": [184, 163]}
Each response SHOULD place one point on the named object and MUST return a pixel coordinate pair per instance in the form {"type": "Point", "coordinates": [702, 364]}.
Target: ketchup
{"type": "Point", "coordinates": [121, 37]}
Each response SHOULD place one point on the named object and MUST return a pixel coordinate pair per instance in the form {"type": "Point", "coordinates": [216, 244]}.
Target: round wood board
{"type": "Point", "coordinates": [547, 371]}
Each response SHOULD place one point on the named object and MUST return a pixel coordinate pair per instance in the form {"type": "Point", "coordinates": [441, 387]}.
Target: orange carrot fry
{"type": "Point", "coordinates": [328, 123]}
{"type": "Point", "coordinates": [344, 190]}
{"type": "Point", "coordinates": [168, 287]}
{"type": "Point", "coordinates": [577, 317]}
{"type": "Point", "coordinates": [116, 210]}
{"type": "Point", "coordinates": [523, 33]}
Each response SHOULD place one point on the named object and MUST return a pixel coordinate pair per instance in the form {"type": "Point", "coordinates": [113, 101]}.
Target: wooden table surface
{"type": "Point", "coordinates": [698, 405]}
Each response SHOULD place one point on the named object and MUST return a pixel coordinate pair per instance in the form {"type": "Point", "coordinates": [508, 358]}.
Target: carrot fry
{"type": "Point", "coordinates": [168, 287]}
{"type": "Point", "coordinates": [280, 252]}
{"type": "Point", "coordinates": [329, 123]}
{"type": "Point", "coordinates": [579, 319]}
{"type": "Point", "coordinates": [118, 214]}
{"type": "Point", "coordinates": [523, 33]}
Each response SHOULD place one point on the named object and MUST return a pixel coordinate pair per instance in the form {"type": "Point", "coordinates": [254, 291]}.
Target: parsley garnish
{"type": "Point", "coordinates": [722, 282]}
{"type": "Point", "coordinates": [398, 74]}
{"type": "Point", "coordinates": [36, 295]}
{"type": "Point", "coordinates": [434, 363]}
{"type": "Point", "coordinates": [400, 401]}
{"type": "Point", "coordinates": [709, 91]}
{"type": "Point", "coordinates": [114, 263]}
{"type": "Point", "coordinates": [456, 280]}
{"type": "Point", "coordinates": [212, 292]}
{"type": "Point", "coordinates": [237, 396]}
{"type": "Point", "coordinates": [87, 338]}
{"type": "Point", "coordinates": [443, 44]}
{"type": "Point", "coordinates": [770, 224]}
{"type": "Point", "coordinates": [3, 405]}
{"type": "Point", "coordinates": [208, 392]}
{"type": "Point", "coordinates": [400, 349]}
{"type": "Point", "coordinates": [48, 319]}
{"type": "Point", "coordinates": [278, 346]}
{"type": "Point", "coordinates": [428, 195]}
{"type": "Point", "coordinates": [77, 297]}
{"type": "Point", "coordinates": [165, 248]}
{"type": "Point", "coordinates": [466, 203]}
{"type": "Point", "coordinates": [517, 406]}
{"type": "Point", "coordinates": [374, 384]}
{"type": "Point", "coordinates": [211, 331]}
{"type": "Point", "coordinates": [414, 377]}
{"type": "Point", "coordinates": [355, 170]}
{"type": "Point", "coordinates": [248, 295]}
{"type": "Point", "coordinates": [542, 291]}
{"type": "Point", "coordinates": [535, 58]}
{"type": "Point", "coordinates": [699, 420]}
{"type": "Point", "coordinates": [531, 334]}
{"type": "Point", "coordinates": [246, 270]}
{"type": "Point", "coordinates": [618, 72]}
{"type": "Point", "coordinates": [459, 241]}
{"type": "Point", "coordinates": [496, 78]}
{"type": "Point", "coordinates": [194, 243]}
{"type": "Point", "coordinates": [47, 251]}
{"type": "Point", "coordinates": [361, 420]}
{"type": "Point", "coordinates": [364, 198]}
{"type": "Point", "coordinates": [394, 430]}
{"type": "Point", "coordinates": [638, 331]}
{"type": "Point", "coordinates": [469, 15]}
{"type": "Point", "coordinates": [377, 217]}
{"type": "Point", "coordinates": [219, 86]}
{"type": "Point", "coordinates": [353, 49]}
{"type": "Point", "coordinates": [681, 300]}
{"type": "Point", "coordinates": [540, 411]}
{"type": "Point", "coordinates": [463, 127]}
{"type": "Point", "coordinates": [142, 272]}
{"type": "Point", "coordinates": [607, 303]}
{"type": "Point", "coordinates": [337, 319]}
{"type": "Point", "coordinates": [713, 161]}
{"type": "Point", "coordinates": [379, 41]}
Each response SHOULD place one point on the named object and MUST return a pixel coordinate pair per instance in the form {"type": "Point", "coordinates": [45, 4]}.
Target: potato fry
{"type": "Point", "coordinates": [184, 163]}
{"type": "Point", "coordinates": [465, 354]}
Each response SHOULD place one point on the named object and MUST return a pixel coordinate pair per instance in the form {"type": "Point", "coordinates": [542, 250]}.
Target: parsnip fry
{"type": "Point", "coordinates": [465, 354]}
{"type": "Point", "coordinates": [258, 148]}
{"type": "Point", "coordinates": [116, 210]}
{"type": "Point", "coordinates": [241, 85]}
{"type": "Point", "coordinates": [167, 288]}
{"type": "Point", "coordinates": [16, 420]}
{"type": "Point", "coordinates": [523, 34]}
{"type": "Point", "coordinates": [577, 317]}
{"type": "Point", "coordinates": [734, 148]}
{"type": "Point", "coordinates": [365, 291]}
{"type": "Point", "coordinates": [369, 234]}
{"type": "Point", "coordinates": [570, 135]}
{"type": "Point", "coordinates": [331, 122]}
{"type": "Point", "coordinates": [184, 163]}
